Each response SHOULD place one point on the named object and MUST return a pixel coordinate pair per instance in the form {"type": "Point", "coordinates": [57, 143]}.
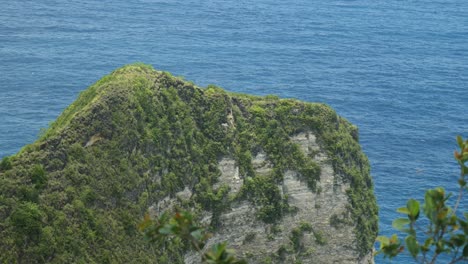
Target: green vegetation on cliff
{"type": "Point", "coordinates": [138, 136]}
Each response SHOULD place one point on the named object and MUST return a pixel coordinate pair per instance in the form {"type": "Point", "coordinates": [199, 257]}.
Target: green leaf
{"type": "Point", "coordinates": [412, 245]}
{"type": "Point", "coordinates": [413, 208]}
{"type": "Point", "coordinates": [464, 170]}
{"type": "Point", "coordinates": [439, 247]}
{"type": "Point", "coordinates": [400, 223]}
{"type": "Point", "coordinates": [197, 234]}
{"type": "Point", "coordinates": [442, 214]}
{"type": "Point", "coordinates": [465, 251]}
{"type": "Point", "coordinates": [403, 210]}
{"type": "Point", "coordinates": [462, 183]}
{"type": "Point", "coordinates": [460, 141]}
{"type": "Point", "coordinates": [383, 241]}
{"type": "Point", "coordinates": [458, 240]}
{"type": "Point", "coordinates": [464, 225]}
{"type": "Point", "coordinates": [427, 244]}
{"type": "Point", "coordinates": [465, 156]}
{"type": "Point", "coordinates": [166, 230]}
{"type": "Point", "coordinates": [429, 205]}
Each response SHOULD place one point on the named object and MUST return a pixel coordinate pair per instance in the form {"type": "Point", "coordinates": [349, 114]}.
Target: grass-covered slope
{"type": "Point", "coordinates": [139, 135]}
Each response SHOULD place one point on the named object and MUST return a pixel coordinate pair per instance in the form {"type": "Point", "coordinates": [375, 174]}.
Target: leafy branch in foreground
{"type": "Point", "coordinates": [182, 226]}
{"type": "Point", "coordinates": [446, 232]}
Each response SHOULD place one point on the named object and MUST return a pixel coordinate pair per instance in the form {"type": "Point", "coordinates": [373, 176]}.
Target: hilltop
{"type": "Point", "coordinates": [281, 180]}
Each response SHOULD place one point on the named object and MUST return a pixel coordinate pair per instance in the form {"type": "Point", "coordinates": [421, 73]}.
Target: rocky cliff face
{"type": "Point", "coordinates": [320, 230]}
{"type": "Point", "coordinates": [281, 180]}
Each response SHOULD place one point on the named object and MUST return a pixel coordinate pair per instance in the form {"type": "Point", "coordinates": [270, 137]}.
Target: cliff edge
{"type": "Point", "coordinates": [282, 181]}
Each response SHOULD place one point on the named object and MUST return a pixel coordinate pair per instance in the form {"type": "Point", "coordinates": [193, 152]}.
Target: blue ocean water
{"type": "Point", "coordinates": [397, 69]}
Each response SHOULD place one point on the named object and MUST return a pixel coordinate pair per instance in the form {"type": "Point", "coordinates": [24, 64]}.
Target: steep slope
{"type": "Point", "coordinates": [279, 179]}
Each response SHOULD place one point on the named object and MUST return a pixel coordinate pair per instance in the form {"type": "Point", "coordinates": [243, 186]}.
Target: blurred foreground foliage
{"type": "Point", "coordinates": [446, 232]}
{"type": "Point", "coordinates": [181, 226]}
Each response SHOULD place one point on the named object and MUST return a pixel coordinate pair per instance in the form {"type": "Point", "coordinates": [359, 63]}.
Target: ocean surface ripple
{"type": "Point", "coordinates": [397, 69]}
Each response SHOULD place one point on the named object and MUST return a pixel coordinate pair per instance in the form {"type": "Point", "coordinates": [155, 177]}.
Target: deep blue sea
{"type": "Point", "coordinates": [397, 69]}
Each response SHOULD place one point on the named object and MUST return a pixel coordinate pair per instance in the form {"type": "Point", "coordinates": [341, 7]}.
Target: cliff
{"type": "Point", "coordinates": [281, 180]}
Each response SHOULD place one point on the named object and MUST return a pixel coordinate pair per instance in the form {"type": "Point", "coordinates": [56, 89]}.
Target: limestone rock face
{"type": "Point", "coordinates": [326, 242]}
{"type": "Point", "coordinates": [282, 181]}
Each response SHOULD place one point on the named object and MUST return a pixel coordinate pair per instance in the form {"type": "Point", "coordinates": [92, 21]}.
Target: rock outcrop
{"type": "Point", "coordinates": [282, 181]}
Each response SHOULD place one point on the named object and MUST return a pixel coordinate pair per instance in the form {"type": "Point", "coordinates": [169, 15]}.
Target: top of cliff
{"type": "Point", "coordinates": [291, 172]}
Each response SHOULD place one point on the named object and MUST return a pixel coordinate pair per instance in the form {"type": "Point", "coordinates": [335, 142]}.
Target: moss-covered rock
{"type": "Point", "coordinates": [141, 138]}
